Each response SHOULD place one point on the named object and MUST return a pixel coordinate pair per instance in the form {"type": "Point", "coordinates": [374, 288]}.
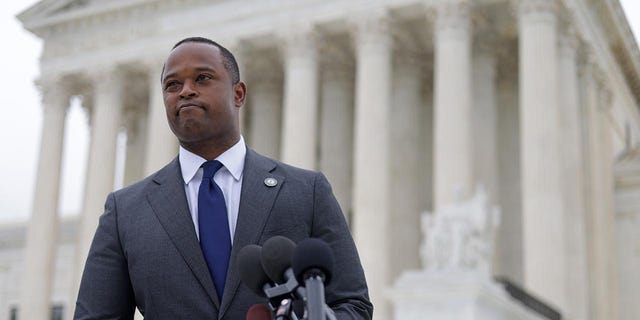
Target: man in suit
{"type": "Point", "coordinates": [153, 249]}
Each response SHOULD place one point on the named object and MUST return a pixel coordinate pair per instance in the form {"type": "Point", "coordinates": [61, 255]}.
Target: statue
{"type": "Point", "coordinates": [461, 236]}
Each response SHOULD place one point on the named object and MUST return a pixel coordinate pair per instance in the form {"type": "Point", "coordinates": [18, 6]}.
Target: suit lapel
{"type": "Point", "coordinates": [256, 201]}
{"type": "Point", "coordinates": [169, 203]}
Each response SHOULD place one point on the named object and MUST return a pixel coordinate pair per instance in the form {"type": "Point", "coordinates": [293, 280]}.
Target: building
{"type": "Point", "coordinates": [406, 105]}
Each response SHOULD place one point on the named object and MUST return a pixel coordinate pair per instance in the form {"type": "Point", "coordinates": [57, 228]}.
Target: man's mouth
{"type": "Point", "coordinates": [188, 106]}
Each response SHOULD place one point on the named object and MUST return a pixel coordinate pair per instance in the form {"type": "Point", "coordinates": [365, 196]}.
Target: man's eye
{"type": "Point", "coordinates": [203, 77]}
{"type": "Point", "coordinates": [170, 85]}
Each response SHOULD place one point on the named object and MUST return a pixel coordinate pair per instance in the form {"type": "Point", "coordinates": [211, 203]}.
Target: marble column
{"type": "Point", "coordinates": [485, 115]}
{"type": "Point", "coordinates": [299, 133]}
{"type": "Point", "coordinates": [600, 217]}
{"type": "Point", "coordinates": [627, 171]}
{"type": "Point", "coordinates": [453, 163]}
{"type": "Point", "coordinates": [542, 200]}
{"type": "Point", "coordinates": [162, 145]}
{"type": "Point", "coordinates": [573, 176]}
{"type": "Point", "coordinates": [407, 148]}
{"type": "Point", "coordinates": [41, 239]}
{"type": "Point", "coordinates": [135, 123]}
{"type": "Point", "coordinates": [239, 51]}
{"type": "Point", "coordinates": [105, 120]}
{"type": "Point", "coordinates": [265, 107]}
{"type": "Point", "coordinates": [509, 255]}
{"type": "Point", "coordinates": [371, 203]}
{"type": "Point", "coordinates": [336, 129]}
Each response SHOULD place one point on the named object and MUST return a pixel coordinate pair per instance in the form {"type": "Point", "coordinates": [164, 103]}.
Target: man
{"type": "Point", "coordinates": [160, 245]}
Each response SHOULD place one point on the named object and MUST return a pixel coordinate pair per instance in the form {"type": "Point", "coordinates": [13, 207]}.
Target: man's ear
{"type": "Point", "coordinates": [239, 93]}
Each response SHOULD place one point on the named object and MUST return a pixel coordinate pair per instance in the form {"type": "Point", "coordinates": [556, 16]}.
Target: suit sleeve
{"type": "Point", "coordinates": [105, 289]}
{"type": "Point", "coordinates": [347, 293]}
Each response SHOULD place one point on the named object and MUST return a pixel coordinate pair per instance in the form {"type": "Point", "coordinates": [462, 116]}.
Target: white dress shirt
{"type": "Point", "coordinates": [228, 178]}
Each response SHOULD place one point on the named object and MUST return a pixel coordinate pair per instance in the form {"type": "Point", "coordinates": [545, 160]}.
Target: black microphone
{"type": "Point", "coordinates": [250, 269]}
{"type": "Point", "coordinates": [254, 277]}
{"type": "Point", "coordinates": [312, 264]}
{"type": "Point", "coordinates": [259, 312]}
{"type": "Point", "coordinates": [276, 256]}
{"type": "Point", "coordinates": [276, 262]}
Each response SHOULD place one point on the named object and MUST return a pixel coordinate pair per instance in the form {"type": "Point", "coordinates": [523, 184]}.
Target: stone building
{"type": "Point", "coordinates": [406, 105]}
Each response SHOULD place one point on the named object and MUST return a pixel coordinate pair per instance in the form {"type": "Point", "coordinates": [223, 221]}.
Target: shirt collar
{"type": "Point", "coordinates": [232, 160]}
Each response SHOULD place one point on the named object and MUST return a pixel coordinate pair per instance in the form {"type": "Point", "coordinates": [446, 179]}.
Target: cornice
{"type": "Point", "coordinates": [40, 22]}
{"type": "Point", "coordinates": [630, 64]}
{"type": "Point", "coordinates": [600, 27]}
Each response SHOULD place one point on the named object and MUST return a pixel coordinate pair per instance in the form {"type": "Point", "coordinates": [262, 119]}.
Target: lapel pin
{"type": "Point", "coordinates": [270, 182]}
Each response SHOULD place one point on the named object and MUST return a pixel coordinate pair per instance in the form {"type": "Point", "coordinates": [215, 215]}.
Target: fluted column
{"type": "Point", "coordinates": [600, 218]}
{"type": "Point", "coordinates": [105, 119]}
{"type": "Point", "coordinates": [542, 206]}
{"type": "Point", "coordinates": [573, 176]}
{"type": "Point", "coordinates": [452, 103]}
{"type": "Point", "coordinates": [485, 115]}
{"type": "Point", "coordinates": [300, 99]}
{"type": "Point", "coordinates": [336, 129]}
{"type": "Point", "coordinates": [162, 145]}
{"type": "Point", "coordinates": [408, 171]}
{"type": "Point", "coordinates": [265, 107]}
{"type": "Point", "coordinates": [371, 155]}
{"type": "Point", "coordinates": [509, 254]}
{"type": "Point", "coordinates": [42, 231]}
{"type": "Point", "coordinates": [136, 125]}
{"type": "Point", "coordinates": [240, 52]}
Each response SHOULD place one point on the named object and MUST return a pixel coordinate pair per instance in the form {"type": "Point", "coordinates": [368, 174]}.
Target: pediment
{"type": "Point", "coordinates": [54, 10]}
{"type": "Point", "coordinates": [49, 8]}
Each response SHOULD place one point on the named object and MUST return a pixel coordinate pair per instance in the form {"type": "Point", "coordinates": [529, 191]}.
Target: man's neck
{"type": "Point", "coordinates": [210, 150]}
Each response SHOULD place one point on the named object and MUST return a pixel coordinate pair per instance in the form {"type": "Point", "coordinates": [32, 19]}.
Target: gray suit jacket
{"type": "Point", "coordinates": [145, 252]}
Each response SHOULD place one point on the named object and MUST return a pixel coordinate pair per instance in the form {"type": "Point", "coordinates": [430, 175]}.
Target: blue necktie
{"type": "Point", "coordinates": [213, 225]}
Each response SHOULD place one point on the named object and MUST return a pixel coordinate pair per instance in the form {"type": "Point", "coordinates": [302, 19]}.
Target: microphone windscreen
{"type": "Point", "coordinates": [276, 257]}
{"type": "Point", "coordinates": [250, 269]}
{"type": "Point", "coordinates": [312, 253]}
{"type": "Point", "coordinates": [259, 312]}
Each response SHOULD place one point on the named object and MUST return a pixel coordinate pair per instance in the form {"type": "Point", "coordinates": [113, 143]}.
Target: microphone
{"type": "Point", "coordinates": [254, 277]}
{"type": "Point", "coordinates": [312, 264]}
{"type": "Point", "coordinates": [250, 269]}
{"type": "Point", "coordinates": [276, 258]}
{"type": "Point", "coordinates": [259, 312]}
{"type": "Point", "coordinates": [276, 262]}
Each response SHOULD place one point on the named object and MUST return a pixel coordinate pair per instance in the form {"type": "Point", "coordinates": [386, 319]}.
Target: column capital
{"type": "Point", "coordinates": [452, 16]}
{"type": "Point", "coordinates": [568, 40]}
{"type": "Point", "coordinates": [105, 78]}
{"type": "Point", "coordinates": [486, 34]}
{"type": "Point", "coordinates": [153, 64]}
{"type": "Point", "coordinates": [372, 29]}
{"type": "Point", "coordinates": [537, 10]}
{"type": "Point", "coordinates": [299, 40]}
{"type": "Point", "coordinates": [337, 61]}
{"type": "Point", "coordinates": [605, 95]}
{"type": "Point", "coordinates": [263, 67]}
{"type": "Point", "coordinates": [55, 92]}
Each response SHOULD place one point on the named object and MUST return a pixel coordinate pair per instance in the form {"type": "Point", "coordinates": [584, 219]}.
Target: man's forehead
{"type": "Point", "coordinates": [194, 49]}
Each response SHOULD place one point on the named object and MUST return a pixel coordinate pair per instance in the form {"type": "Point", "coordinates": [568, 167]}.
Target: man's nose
{"type": "Point", "coordinates": [188, 90]}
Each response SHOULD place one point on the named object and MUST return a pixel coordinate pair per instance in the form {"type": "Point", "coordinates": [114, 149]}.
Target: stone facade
{"type": "Point", "coordinates": [406, 105]}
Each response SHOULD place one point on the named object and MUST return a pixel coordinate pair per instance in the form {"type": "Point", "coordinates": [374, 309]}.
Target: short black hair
{"type": "Point", "coordinates": [228, 60]}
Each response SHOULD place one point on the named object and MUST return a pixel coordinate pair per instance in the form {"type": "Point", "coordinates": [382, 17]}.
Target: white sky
{"type": "Point", "coordinates": [20, 132]}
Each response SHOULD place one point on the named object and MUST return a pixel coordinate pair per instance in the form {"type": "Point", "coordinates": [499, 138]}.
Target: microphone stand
{"type": "Point", "coordinates": [285, 310]}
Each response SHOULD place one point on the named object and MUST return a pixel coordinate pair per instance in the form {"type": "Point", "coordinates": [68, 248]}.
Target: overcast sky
{"type": "Point", "coordinates": [20, 131]}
